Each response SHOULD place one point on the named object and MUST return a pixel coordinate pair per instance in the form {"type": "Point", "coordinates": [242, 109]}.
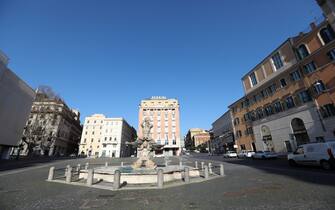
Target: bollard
{"type": "Point", "coordinates": [121, 164]}
{"type": "Point", "coordinates": [160, 178]}
{"type": "Point", "coordinates": [166, 163]}
{"type": "Point", "coordinates": [196, 164]}
{"type": "Point", "coordinates": [206, 172]}
{"type": "Point", "coordinates": [202, 165]}
{"type": "Point", "coordinates": [86, 165]}
{"type": "Point", "coordinates": [68, 174]}
{"type": "Point", "coordinates": [187, 175]}
{"type": "Point", "coordinates": [51, 173]}
{"type": "Point", "coordinates": [117, 178]}
{"type": "Point", "coordinates": [181, 164]}
{"type": "Point", "coordinates": [66, 170]}
{"type": "Point", "coordinates": [78, 168]}
{"type": "Point", "coordinates": [221, 170]}
{"type": "Point", "coordinates": [210, 168]}
{"type": "Point", "coordinates": [90, 174]}
{"type": "Point", "coordinates": [106, 164]}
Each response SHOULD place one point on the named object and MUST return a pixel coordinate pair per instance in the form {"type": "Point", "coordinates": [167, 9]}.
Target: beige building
{"type": "Point", "coordinates": [164, 116]}
{"type": "Point", "coordinates": [190, 143]}
{"type": "Point", "coordinates": [106, 137]}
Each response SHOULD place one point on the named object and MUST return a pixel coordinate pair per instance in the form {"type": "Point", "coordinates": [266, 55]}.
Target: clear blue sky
{"type": "Point", "coordinates": [105, 56]}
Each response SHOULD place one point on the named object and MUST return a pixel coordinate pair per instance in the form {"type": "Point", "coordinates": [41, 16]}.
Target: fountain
{"type": "Point", "coordinates": [144, 170]}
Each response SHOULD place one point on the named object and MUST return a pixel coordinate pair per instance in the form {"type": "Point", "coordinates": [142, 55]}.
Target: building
{"type": "Point", "coordinates": [289, 96]}
{"type": "Point", "coordinates": [16, 98]}
{"type": "Point", "coordinates": [190, 142]}
{"type": "Point", "coordinates": [52, 129]}
{"type": "Point", "coordinates": [328, 8]}
{"type": "Point", "coordinates": [106, 137]}
{"type": "Point", "coordinates": [223, 134]}
{"type": "Point", "coordinates": [164, 116]}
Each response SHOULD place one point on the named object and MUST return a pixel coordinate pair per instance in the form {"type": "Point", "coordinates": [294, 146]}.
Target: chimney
{"type": "Point", "coordinates": [312, 25]}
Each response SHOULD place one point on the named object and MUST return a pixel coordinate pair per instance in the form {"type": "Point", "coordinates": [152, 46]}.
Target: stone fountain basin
{"type": "Point", "coordinates": [141, 175]}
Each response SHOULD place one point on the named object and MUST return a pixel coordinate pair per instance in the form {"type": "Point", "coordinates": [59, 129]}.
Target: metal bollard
{"type": "Point", "coordinates": [86, 165]}
{"type": "Point", "coordinates": [68, 175]}
{"type": "Point", "coordinates": [221, 170]}
{"type": "Point", "coordinates": [106, 164]}
{"type": "Point", "coordinates": [51, 173]}
{"type": "Point", "coordinates": [117, 178]}
{"type": "Point", "coordinates": [202, 165]}
{"type": "Point", "coordinates": [187, 175]}
{"type": "Point", "coordinates": [90, 176]}
{"type": "Point", "coordinates": [206, 172]}
{"type": "Point", "coordinates": [160, 178]}
{"type": "Point", "coordinates": [210, 168]}
{"type": "Point", "coordinates": [196, 164]}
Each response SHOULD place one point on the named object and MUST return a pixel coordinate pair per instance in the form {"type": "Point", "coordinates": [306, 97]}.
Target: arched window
{"type": "Point", "coordinates": [327, 34]}
{"type": "Point", "coordinates": [302, 51]}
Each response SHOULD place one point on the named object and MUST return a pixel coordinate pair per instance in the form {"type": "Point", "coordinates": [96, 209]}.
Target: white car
{"type": "Point", "coordinates": [318, 154]}
{"type": "Point", "coordinates": [264, 155]}
{"type": "Point", "coordinates": [245, 154]}
{"type": "Point", "coordinates": [230, 154]}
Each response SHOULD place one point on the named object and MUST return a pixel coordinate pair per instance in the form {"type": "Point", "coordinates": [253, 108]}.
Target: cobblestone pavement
{"type": "Point", "coordinates": [248, 184]}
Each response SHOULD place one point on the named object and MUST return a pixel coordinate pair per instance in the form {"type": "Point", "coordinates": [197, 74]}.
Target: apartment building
{"type": "Point", "coordinates": [164, 116]}
{"type": "Point", "coordinates": [106, 137]}
{"type": "Point", "coordinates": [223, 134]}
{"type": "Point", "coordinates": [289, 96]}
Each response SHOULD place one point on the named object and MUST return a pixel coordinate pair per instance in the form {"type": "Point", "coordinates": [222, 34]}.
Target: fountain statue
{"type": "Point", "coordinates": [146, 147]}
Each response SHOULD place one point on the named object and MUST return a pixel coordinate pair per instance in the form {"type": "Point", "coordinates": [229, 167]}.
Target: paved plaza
{"type": "Point", "coordinates": [248, 184]}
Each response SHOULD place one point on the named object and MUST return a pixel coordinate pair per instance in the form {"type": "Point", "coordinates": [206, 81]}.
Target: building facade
{"type": "Point", "coordinates": [289, 96]}
{"type": "Point", "coordinates": [223, 134]}
{"type": "Point", "coordinates": [164, 116]}
{"type": "Point", "coordinates": [52, 129]}
{"type": "Point", "coordinates": [16, 98]}
{"type": "Point", "coordinates": [106, 137]}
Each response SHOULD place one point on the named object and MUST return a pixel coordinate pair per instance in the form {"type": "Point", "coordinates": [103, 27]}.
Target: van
{"type": "Point", "coordinates": [319, 154]}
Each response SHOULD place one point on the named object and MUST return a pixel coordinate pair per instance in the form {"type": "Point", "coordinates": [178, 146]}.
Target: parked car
{"type": "Point", "coordinates": [264, 155]}
{"type": "Point", "coordinates": [319, 154]}
{"type": "Point", "coordinates": [245, 154]}
{"type": "Point", "coordinates": [230, 154]}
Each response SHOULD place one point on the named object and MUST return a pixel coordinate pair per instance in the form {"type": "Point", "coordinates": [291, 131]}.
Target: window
{"type": "Point", "coordinates": [319, 139]}
{"type": "Point", "coordinates": [268, 110]}
{"type": "Point", "coordinates": [278, 107]}
{"type": "Point", "coordinates": [319, 87]}
{"type": "Point", "coordinates": [327, 110]}
{"type": "Point", "coordinates": [242, 147]}
{"type": "Point", "coordinates": [84, 140]}
{"type": "Point", "coordinates": [253, 78]}
{"type": "Point", "coordinates": [283, 83]}
{"type": "Point", "coordinates": [310, 67]}
{"type": "Point", "coordinates": [304, 96]}
{"type": "Point", "coordinates": [91, 140]}
{"type": "Point", "coordinates": [276, 59]}
{"type": "Point", "coordinates": [110, 138]}
{"type": "Point", "coordinates": [331, 54]}
{"type": "Point", "coordinates": [289, 102]}
{"type": "Point", "coordinates": [105, 138]}
{"type": "Point", "coordinates": [327, 34]}
{"type": "Point", "coordinates": [295, 76]}
{"type": "Point", "coordinates": [302, 51]}
{"type": "Point", "coordinates": [260, 114]}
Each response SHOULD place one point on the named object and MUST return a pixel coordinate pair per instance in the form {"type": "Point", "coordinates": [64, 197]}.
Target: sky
{"type": "Point", "coordinates": [104, 56]}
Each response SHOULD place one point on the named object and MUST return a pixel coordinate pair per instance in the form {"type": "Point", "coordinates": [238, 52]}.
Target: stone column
{"type": "Point", "coordinates": [206, 172]}
{"type": "Point", "coordinates": [202, 165]}
{"type": "Point", "coordinates": [160, 178]}
{"type": "Point", "coordinates": [221, 170]}
{"type": "Point", "coordinates": [196, 164]}
{"type": "Point", "coordinates": [68, 175]}
{"type": "Point", "coordinates": [90, 176]}
{"type": "Point", "coordinates": [121, 164]}
{"type": "Point", "coordinates": [117, 178]}
{"type": "Point", "coordinates": [66, 170]}
{"type": "Point", "coordinates": [106, 164]}
{"type": "Point", "coordinates": [181, 164]}
{"type": "Point", "coordinates": [187, 175]}
{"type": "Point", "coordinates": [86, 165]}
{"type": "Point", "coordinates": [51, 173]}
